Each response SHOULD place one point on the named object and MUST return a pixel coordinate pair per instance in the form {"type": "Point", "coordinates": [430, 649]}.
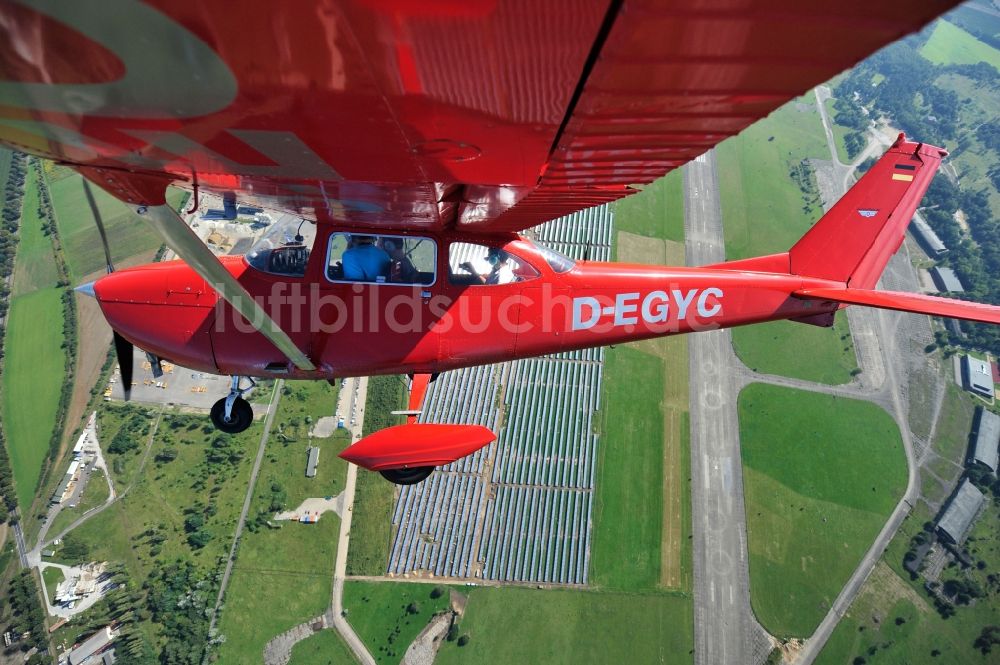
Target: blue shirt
{"type": "Point", "coordinates": [365, 263]}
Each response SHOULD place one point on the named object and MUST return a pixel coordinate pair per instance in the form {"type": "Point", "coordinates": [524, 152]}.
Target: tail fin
{"type": "Point", "coordinates": [853, 242]}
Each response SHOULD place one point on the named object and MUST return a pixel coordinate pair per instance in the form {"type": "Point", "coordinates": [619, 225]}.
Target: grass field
{"type": "Point", "coordinates": [516, 625]}
{"type": "Point", "coordinates": [821, 476]}
{"type": "Point", "coordinates": [32, 378]}
{"type": "Point", "coordinates": [949, 44]}
{"type": "Point", "coordinates": [839, 132]}
{"type": "Point", "coordinates": [34, 266]}
{"type": "Point", "coordinates": [127, 233]}
{"type": "Point", "coordinates": [371, 527]}
{"type": "Point", "coordinates": [765, 212]}
{"type": "Point", "coordinates": [323, 648]}
{"type": "Point", "coordinates": [52, 577]}
{"type": "Point", "coordinates": [657, 212]}
{"type": "Point", "coordinates": [35, 361]}
{"type": "Point", "coordinates": [765, 348]}
{"type": "Point", "coordinates": [640, 543]}
{"type": "Point", "coordinates": [295, 560]}
{"type": "Point", "coordinates": [378, 612]}
{"type": "Point", "coordinates": [626, 542]}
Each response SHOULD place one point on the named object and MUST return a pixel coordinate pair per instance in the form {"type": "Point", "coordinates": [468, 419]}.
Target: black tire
{"type": "Point", "coordinates": [242, 416]}
{"type": "Point", "coordinates": [410, 476]}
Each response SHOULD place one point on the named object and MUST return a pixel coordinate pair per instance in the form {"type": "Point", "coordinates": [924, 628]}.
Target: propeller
{"type": "Point", "coordinates": [123, 347]}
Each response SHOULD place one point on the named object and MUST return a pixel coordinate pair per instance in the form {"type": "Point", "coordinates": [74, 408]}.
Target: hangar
{"type": "Point", "coordinates": [984, 446]}
{"type": "Point", "coordinates": [961, 512]}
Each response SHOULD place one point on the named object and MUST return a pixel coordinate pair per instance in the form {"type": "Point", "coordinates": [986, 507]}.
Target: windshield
{"type": "Point", "coordinates": [284, 248]}
{"type": "Point", "coordinates": [559, 263]}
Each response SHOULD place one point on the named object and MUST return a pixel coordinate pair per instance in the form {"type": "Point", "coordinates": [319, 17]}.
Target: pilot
{"type": "Point", "coordinates": [401, 270]}
{"type": "Point", "coordinates": [363, 261]}
{"type": "Point", "coordinates": [500, 272]}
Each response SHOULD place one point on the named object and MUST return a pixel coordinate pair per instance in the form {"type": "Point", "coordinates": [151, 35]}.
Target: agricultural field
{"type": "Point", "coordinates": [387, 616]}
{"type": "Point", "coordinates": [32, 379]}
{"type": "Point", "coordinates": [35, 361]}
{"type": "Point", "coordinates": [517, 625]}
{"type": "Point", "coordinates": [323, 648]}
{"type": "Point", "coordinates": [371, 526]}
{"type": "Point", "coordinates": [294, 560]}
{"type": "Point", "coordinates": [764, 211]}
{"type": "Point", "coordinates": [949, 44]}
{"type": "Point", "coordinates": [657, 212]}
{"type": "Point", "coordinates": [821, 475]}
{"type": "Point", "coordinates": [127, 234]}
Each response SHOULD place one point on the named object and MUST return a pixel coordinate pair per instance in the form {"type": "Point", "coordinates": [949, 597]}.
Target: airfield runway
{"type": "Point", "coordinates": [725, 630]}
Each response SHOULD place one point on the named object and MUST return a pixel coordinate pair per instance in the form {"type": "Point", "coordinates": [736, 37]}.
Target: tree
{"type": "Point", "coordinates": [463, 640]}
{"type": "Point", "coordinates": [989, 637]}
{"type": "Point", "coordinates": [193, 522]}
{"type": "Point", "coordinates": [199, 539]}
{"type": "Point", "coordinates": [413, 608]}
{"type": "Point", "coordinates": [437, 592]}
{"type": "Point", "coordinates": [75, 549]}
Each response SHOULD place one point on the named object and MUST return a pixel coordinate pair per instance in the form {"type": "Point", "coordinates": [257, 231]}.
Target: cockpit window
{"type": "Point", "coordinates": [284, 248]}
{"type": "Point", "coordinates": [559, 263]}
{"type": "Point", "coordinates": [381, 259]}
{"type": "Point", "coordinates": [473, 264]}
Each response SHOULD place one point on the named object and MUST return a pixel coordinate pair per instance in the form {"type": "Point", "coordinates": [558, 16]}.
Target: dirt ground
{"type": "Point", "coordinates": [94, 335]}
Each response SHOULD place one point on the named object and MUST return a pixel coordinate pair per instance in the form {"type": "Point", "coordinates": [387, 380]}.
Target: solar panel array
{"type": "Point", "coordinates": [520, 509]}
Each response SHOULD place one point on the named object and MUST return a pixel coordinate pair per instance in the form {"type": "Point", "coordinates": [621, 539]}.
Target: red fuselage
{"type": "Point", "coordinates": [363, 329]}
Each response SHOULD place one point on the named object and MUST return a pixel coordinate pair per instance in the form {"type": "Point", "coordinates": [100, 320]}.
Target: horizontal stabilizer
{"type": "Point", "coordinates": [417, 444]}
{"type": "Point", "coordinates": [907, 302]}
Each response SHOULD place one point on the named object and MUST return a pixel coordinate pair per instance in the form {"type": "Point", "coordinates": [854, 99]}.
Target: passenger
{"type": "Point", "coordinates": [401, 270]}
{"type": "Point", "coordinates": [363, 261]}
{"type": "Point", "coordinates": [501, 271]}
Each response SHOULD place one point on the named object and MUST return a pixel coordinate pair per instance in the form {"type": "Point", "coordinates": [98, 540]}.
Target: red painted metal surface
{"type": "Point", "coordinates": [350, 329]}
{"type": "Point", "coordinates": [907, 302]}
{"type": "Point", "coordinates": [407, 446]}
{"type": "Point", "coordinates": [490, 115]}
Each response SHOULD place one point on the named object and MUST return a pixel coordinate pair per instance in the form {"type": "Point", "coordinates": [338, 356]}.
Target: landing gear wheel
{"type": "Point", "coordinates": [240, 418]}
{"type": "Point", "coordinates": [410, 476]}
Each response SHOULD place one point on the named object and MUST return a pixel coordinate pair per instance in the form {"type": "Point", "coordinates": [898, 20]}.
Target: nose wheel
{"type": "Point", "coordinates": [233, 414]}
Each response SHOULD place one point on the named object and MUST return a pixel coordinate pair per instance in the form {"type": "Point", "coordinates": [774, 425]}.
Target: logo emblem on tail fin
{"type": "Point", "coordinates": [867, 212]}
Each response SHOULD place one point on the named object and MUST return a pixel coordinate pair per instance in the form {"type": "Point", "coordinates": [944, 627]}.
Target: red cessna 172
{"type": "Point", "coordinates": [413, 142]}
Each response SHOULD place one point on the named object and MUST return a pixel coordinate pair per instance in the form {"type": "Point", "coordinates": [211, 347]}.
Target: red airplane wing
{"type": "Point", "coordinates": [494, 115]}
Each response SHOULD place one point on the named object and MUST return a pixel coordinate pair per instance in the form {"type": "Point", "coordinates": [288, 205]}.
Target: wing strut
{"type": "Point", "coordinates": [188, 246]}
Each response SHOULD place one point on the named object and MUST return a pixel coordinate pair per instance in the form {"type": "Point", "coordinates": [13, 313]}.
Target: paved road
{"type": "Point", "coordinates": [357, 391]}
{"type": "Point", "coordinates": [272, 408]}
{"type": "Point", "coordinates": [725, 630]}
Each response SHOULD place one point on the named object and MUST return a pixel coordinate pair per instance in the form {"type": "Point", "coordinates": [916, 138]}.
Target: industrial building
{"type": "Point", "coordinates": [946, 280]}
{"type": "Point", "coordinates": [312, 461]}
{"type": "Point", "coordinates": [91, 647]}
{"type": "Point", "coordinates": [960, 513]}
{"type": "Point", "coordinates": [925, 235]}
{"type": "Point", "coordinates": [984, 445]}
{"type": "Point", "coordinates": [978, 376]}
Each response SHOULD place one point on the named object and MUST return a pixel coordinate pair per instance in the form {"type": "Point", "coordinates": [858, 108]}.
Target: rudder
{"type": "Point", "coordinates": [853, 242]}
